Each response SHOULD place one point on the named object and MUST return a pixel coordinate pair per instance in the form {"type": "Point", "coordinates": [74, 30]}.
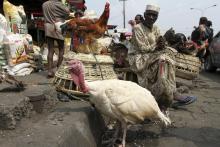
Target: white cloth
{"type": "Point", "coordinates": [153, 7]}
{"type": "Point", "coordinates": [54, 30]}
{"type": "Point", "coordinates": [115, 38]}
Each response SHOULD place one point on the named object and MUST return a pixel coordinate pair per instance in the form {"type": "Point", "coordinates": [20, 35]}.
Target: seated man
{"type": "Point", "coordinates": [153, 62]}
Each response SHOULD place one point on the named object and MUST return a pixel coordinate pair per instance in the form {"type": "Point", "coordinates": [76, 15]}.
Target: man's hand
{"type": "Point", "coordinates": [72, 14]}
{"type": "Point", "coordinates": [161, 43]}
{"type": "Point", "coordinates": [132, 22]}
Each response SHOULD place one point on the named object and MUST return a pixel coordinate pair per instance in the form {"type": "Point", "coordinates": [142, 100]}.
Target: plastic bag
{"type": "Point", "coordinates": [3, 22]}
{"type": "Point", "coordinates": [24, 71]}
{"type": "Point", "coordinates": [16, 13]}
{"type": "Point", "coordinates": [15, 44]}
{"type": "Point", "coordinates": [18, 67]}
{"type": "Point", "coordinates": [2, 35]}
{"type": "Point", "coordinates": [28, 43]}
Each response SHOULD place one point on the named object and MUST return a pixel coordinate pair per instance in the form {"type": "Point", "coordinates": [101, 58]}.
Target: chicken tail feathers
{"type": "Point", "coordinates": [164, 119]}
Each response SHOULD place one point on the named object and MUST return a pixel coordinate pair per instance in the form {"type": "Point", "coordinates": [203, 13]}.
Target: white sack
{"type": "Point", "coordinates": [24, 71]}
{"type": "Point", "coordinates": [15, 44]}
{"type": "Point", "coordinates": [20, 66]}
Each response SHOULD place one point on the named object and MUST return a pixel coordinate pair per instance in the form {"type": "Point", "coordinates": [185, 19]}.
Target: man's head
{"type": "Point", "coordinates": [203, 21]}
{"type": "Point", "coordinates": [138, 18]}
{"type": "Point", "coordinates": [151, 14]}
{"type": "Point", "coordinates": [209, 23]}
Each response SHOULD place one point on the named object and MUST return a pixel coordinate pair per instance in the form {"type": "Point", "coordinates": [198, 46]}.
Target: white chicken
{"type": "Point", "coordinates": [123, 101]}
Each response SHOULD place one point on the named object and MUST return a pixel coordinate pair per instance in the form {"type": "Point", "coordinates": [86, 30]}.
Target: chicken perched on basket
{"type": "Point", "coordinates": [88, 30]}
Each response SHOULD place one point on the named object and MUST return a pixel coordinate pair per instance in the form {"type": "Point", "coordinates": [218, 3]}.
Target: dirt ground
{"type": "Point", "coordinates": [195, 125]}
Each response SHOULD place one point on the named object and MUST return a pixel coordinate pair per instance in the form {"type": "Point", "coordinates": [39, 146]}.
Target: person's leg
{"type": "Point", "coordinates": [50, 43]}
{"type": "Point", "coordinates": [61, 51]}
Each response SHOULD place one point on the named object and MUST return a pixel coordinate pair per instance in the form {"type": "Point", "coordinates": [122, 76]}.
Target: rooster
{"type": "Point", "coordinates": [124, 101]}
{"type": "Point", "coordinates": [90, 30]}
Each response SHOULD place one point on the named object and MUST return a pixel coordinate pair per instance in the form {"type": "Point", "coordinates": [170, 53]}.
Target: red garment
{"type": "Point", "coordinates": [79, 4]}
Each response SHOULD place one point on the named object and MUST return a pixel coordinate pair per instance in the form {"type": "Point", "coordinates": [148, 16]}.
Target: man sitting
{"type": "Point", "coordinates": [153, 62]}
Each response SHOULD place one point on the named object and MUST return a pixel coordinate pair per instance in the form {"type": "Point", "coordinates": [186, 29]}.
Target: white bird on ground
{"type": "Point", "coordinates": [123, 101]}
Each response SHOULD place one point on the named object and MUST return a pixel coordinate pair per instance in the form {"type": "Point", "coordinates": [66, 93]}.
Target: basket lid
{"type": "Point", "coordinates": [89, 58]}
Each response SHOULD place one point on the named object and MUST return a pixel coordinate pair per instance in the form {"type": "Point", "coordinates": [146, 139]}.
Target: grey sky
{"type": "Point", "coordinates": [173, 13]}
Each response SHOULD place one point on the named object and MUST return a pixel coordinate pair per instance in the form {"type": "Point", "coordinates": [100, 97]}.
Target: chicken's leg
{"type": "Point", "coordinates": [115, 135]}
{"type": "Point", "coordinates": [124, 127]}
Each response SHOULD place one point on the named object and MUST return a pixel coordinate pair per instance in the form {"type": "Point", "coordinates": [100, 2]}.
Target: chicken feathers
{"type": "Point", "coordinates": [89, 30]}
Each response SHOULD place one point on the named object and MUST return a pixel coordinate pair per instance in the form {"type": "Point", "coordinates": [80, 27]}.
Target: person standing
{"type": "Point", "coordinates": [138, 19]}
{"type": "Point", "coordinates": [54, 13]}
{"type": "Point", "coordinates": [200, 36]}
{"type": "Point", "coordinates": [209, 25]}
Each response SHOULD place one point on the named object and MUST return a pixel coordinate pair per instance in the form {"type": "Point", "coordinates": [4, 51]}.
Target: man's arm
{"type": "Point", "coordinates": [140, 42]}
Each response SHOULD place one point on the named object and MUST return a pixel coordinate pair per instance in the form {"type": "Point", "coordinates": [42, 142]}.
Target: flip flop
{"type": "Point", "coordinates": [186, 101]}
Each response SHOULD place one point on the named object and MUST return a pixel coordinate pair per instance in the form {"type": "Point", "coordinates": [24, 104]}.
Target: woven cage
{"type": "Point", "coordinates": [96, 67]}
{"type": "Point", "coordinates": [187, 66]}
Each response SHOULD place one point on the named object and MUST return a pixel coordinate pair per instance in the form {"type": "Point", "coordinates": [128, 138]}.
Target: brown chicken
{"type": "Point", "coordinates": [90, 30]}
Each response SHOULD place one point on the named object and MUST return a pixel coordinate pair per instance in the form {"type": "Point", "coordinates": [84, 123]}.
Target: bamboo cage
{"type": "Point", "coordinates": [187, 66]}
{"type": "Point", "coordinates": [96, 67]}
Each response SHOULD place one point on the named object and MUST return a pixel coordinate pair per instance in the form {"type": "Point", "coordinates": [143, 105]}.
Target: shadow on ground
{"type": "Point", "coordinates": [202, 137]}
{"type": "Point", "coordinates": [194, 137]}
{"type": "Point", "coordinates": [214, 76]}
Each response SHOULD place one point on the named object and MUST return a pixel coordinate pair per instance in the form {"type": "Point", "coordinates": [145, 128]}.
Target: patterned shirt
{"type": "Point", "coordinates": [143, 39]}
{"type": "Point", "coordinates": [54, 11]}
{"type": "Point", "coordinates": [55, 14]}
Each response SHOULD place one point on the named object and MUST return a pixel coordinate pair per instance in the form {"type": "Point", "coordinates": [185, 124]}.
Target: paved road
{"type": "Point", "coordinates": [195, 125]}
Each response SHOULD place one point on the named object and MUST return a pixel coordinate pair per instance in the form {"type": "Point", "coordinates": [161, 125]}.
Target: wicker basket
{"type": "Point", "coordinates": [187, 66]}
{"type": "Point", "coordinates": [97, 67]}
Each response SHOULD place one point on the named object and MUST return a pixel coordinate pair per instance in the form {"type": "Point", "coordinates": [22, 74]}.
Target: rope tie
{"type": "Point", "coordinates": [98, 66]}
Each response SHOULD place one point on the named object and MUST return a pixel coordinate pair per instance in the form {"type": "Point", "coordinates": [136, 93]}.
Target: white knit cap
{"type": "Point", "coordinates": [153, 7]}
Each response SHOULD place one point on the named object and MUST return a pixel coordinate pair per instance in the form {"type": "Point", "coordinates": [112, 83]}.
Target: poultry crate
{"type": "Point", "coordinates": [97, 67]}
{"type": "Point", "coordinates": [187, 66]}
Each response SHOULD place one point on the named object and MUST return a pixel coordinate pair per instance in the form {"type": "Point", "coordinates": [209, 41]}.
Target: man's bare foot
{"type": "Point", "coordinates": [50, 74]}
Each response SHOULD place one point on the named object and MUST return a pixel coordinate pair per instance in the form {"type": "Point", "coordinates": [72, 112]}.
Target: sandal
{"type": "Point", "coordinates": [186, 101]}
